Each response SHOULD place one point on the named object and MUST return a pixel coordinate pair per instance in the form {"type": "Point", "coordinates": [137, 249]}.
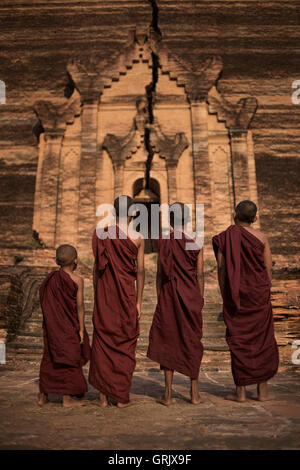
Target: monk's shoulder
{"type": "Point", "coordinates": [260, 235]}
{"type": "Point", "coordinates": [137, 237]}
{"type": "Point", "coordinates": [77, 279]}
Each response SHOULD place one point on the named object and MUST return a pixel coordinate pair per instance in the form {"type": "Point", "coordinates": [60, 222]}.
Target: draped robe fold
{"type": "Point", "coordinates": [63, 358]}
{"type": "Point", "coordinates": [247, 307]}
{"type": "Point", "coordinates": [116, 326]}
{"type": "Point", "coordinates": [176, 331]}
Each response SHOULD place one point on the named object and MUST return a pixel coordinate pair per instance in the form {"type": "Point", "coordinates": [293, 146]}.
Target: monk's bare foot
{"type": "Point", "coordinates": [166, 400]}
{"type": "Point", "coordinates": [262, 392]}
{"type": "Point", "coordinates": [124, 405]}
{"type": "Point", "coordinates": [234, 397]}
{"type": "Point", "coordinates": [239, 396]}
{"type": "Point", "coordinates": [103, 400]}
{"type": "Point", "coordinates": [69, 402]}
{"type": "Point", "coordinates": [195, 399]}
{"type": "Point", "coordinates": [43, 399]}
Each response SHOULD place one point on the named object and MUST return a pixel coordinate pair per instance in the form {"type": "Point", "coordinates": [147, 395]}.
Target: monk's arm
{"type": "Point", "coordinates": [80, 309]}
{"type": "Point", "coordinates": [158, 277]}
{"type": "Point", "coordinates": [140, 278]}
{"type": "Point", "coordinates": [95, 276]}
{"type": "Point", "coordinates": [200, 272]}
{"type": "Point", "coordinates": [268, 259]}
{"type": "Point", "coordinates": [221, 271]}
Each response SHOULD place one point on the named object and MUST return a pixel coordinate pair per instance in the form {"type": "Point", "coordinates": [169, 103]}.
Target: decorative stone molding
{"type": "Point", "coordinates": [197, 79]}
{"type": "Point", "coordinates": [236, 116]}
{"type": "Point", "coordinates": [121, 148]}
{"type": "Point", "coordinates": [94, 74]}
{"type": "Point", "coordinates": [168, 148]}
{"type": "Point", "coordinates": [171, 150]}
{"type": "Point", "coordinates": [54, 118]}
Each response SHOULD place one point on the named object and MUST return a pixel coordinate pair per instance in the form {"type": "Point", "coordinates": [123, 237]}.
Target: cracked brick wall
{"type": "Point", "coordinates": [258, 45]}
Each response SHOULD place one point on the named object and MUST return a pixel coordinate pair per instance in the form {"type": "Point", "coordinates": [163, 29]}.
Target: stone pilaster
{"type": "Point", "coordinates": [53, 119]}
{"type": "Point", "coordinates": [240, 172]}
{"type": "Point", "coordinates": [237, 118]}
{"type": "Point", "coordinates": [48, 193]}
{"type": "Point", "coordinates": [87, 173]}
{"type": "Point", "coordinates": [201, 164]}
{"type": "Point", "coordinates": [172, 183]}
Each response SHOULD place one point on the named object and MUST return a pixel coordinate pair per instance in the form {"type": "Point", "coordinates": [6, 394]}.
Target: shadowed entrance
{"type": "Point", "coordinates": [147, 196]}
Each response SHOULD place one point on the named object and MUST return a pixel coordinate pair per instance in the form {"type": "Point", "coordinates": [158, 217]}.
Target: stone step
{"type": "Point", "coordinates": [22, 348]}
{"type": "Point", "coordinates": [209, 340]}
{"type": "Point", "coordinates": [209, 344]}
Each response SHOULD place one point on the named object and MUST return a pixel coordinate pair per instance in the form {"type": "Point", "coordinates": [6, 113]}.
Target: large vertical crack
{"type": "Point", "coordinates": [151, 89]}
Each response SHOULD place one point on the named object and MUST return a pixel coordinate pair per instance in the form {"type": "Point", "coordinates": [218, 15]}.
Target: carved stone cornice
{"type": "Point", "coordinates": [236, 116]}
{"type": "Point", "coordinates": [197, 78]}
{"type": "Point", "coordinates": [93, 74]}
{"type": "Point", "coordinates": [168, 148]}
{"type": "Point", "coordinates": [54, 118]}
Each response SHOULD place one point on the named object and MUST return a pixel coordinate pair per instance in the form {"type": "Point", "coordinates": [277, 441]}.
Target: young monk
{"type": "Point", "coordinates": [245, 272]}
{"type": "Point", "coordinates": [176, 331]}
{"type": "Point", "coordinates": [66, 342]}
{"type": "Point", "coordinates": [118, 283]}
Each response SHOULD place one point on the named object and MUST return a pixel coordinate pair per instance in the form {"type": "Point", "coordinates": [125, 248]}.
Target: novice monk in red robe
{"type": "Point", "coordinates": [66, 342]}
{"type": "Point", "coordinates": [119, 263]}
{"type": "Point", "coordinates": [245, 272]}
{"type": "Point", "coordinates": [176, 331]}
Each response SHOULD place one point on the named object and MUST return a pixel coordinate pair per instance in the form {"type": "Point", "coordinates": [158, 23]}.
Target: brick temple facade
{"type": "Point", "coordinates": [181, 142]}
{"type": "Point", "coordinates": [162, 100]}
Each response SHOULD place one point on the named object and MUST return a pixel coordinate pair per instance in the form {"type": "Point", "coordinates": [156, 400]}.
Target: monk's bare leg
{"type": "Point", "coordinates": [239, 396]}
{"type": "Point", "coordinates": [103, 400]}
{"type": "Point", "coordinates": [262, 392]}
{"type": "Point", "coordinates": [167, 398]}
{"type": "Point", "coordinates": [195, 399]}
{"type": "Point", "coordinates": [69, 402]}
{"type": "Point", "coordinates": [43, 399]}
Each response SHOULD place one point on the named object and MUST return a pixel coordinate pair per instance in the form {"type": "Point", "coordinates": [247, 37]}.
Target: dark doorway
{"type": "Point", "coordinates": [147, 196]}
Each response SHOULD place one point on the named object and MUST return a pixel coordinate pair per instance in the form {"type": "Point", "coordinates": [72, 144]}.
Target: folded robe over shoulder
{"type": "Point", "coordinates": [116, 327]}
{"type": "Point", "coordinates": [247, 307]}
{"type": "Point", "coordinates": [61, 366]}
{"type": "Point", "coordinates": [176, 331]}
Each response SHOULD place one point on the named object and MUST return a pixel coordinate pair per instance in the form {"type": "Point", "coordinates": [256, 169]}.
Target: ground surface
{"type": "Point", "coordinates": [214, 424]}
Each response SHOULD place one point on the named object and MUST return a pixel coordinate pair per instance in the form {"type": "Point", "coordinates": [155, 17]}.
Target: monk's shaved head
{"type": "Point", "coordinates": [122, 204]}
{"type": "Point", "coordinates": [65, 255]}
{"type": "Point", "coordinates": [178, 212]}
{"type": "Point", "coordinates": [246, 211]}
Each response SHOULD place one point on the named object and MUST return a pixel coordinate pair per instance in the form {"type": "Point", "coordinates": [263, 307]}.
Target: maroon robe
{"type": "Point", "coordinates": [176, 331]}
{"type": "Point", "coordinates": [247, 307]}
{"type": "Point", "coordinates": [115, 318]}
{"type": "Point", "coordinates": [63, 358]}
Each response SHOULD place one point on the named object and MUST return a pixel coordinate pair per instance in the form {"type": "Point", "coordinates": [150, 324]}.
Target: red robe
{"type": "Point", "coordinates": [63, 358]}
{"type": "Point", "coordinates": [116, 327]}
{"type": "Point", "coordinates": [176, 331]}
{"type": "Point", "coordinates": [247, 307]}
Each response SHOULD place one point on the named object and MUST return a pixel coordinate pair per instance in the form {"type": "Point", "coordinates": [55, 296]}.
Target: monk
{"type": "Point", "coordinates": [245, 273]}
{"type": "Point", "coordinates": [66, 342]}
{"type": "Point", "coordinates": [118, 285]}
{"type": "Point", "coordinates": [176, 331]}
